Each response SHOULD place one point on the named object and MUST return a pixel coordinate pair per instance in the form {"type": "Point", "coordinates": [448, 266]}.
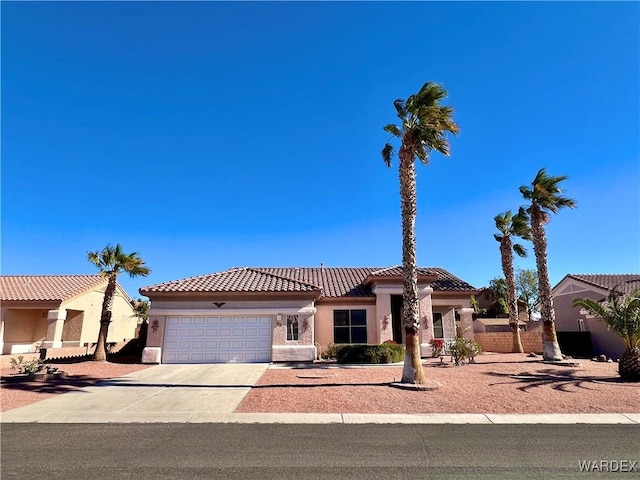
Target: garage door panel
{"type": "Point", "coordinates": [217, 339]}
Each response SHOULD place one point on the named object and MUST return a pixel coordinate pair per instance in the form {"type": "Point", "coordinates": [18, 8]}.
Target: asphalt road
{"type": "Point", "coordinates": [345, 452]}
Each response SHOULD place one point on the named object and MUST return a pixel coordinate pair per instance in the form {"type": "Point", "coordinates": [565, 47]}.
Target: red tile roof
{"type": "Point", "coordinates": [55, 288]}
{"type": "Point", "coordinates": [234, 280]}
{"type": "Point", "coordinates": [332, 281]}
{"type": "Point", "coordinates": [625, 282]}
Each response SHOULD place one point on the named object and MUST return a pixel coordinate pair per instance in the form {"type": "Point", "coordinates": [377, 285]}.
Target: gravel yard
{"type": "Point", "coordinates": [79, 375]}
{"type": "Point", "coordinates": [497, 383]}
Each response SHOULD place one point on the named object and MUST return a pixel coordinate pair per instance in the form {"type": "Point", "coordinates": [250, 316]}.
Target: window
{"type": "Point", "coordinates": [438, 330]}
{"type": "Point", "coordinates": [581, 327]}
{"type": "Point", "coordinates": [292, 327]}
{"type": "Point", "coordinates": [350, 326]}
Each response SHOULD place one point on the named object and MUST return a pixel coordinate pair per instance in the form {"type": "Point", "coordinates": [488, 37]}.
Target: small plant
{"type": "Point", "coordinates": [463, 350]}
{"type": "Point", "coordinates": [437, 347]}
{"type": "Point", "coordinates": [31, 367]}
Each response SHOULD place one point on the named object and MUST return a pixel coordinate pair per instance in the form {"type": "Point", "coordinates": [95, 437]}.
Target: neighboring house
{"type": "Point", "coordinates": [569, 319]}
{"type": "Point", "coordinates": [294, 314]}
{"type": "Point", "coordinates": [55, 311]}
{"type": "Point", "coordinates": [492, 325]}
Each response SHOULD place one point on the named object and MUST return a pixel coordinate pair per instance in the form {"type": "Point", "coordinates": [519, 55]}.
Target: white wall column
{"type": "Point", "coordinates": [55, 320]}
{"type": "Point", "coordinates": [466, 322]}
{"type": "Point", "coordinates": [2, 332]}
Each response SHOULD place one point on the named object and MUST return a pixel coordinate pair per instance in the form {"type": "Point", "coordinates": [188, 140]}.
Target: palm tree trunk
{"type": "Point", "coordinates": [100, 355]}
{"type": "Point", "coordinates": [506, 249]}
{"type": "Point", "coordinates": [550, 347]}
{"type": "Point", "coordinates": [412, 371]}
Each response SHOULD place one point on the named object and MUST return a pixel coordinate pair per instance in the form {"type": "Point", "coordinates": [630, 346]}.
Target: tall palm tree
{"type": "Point", "coordinates": [424, 127]}
{"type": "Point", "coordinates": [622, 315]}
{"type": "Point", "coordinates": [112, 261]}
{"type": "Point", "coordinates": [511, 226]}
{"type": "Point", "coordinates": [545, 198]}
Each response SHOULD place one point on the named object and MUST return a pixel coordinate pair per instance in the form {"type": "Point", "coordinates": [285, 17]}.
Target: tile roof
{"type": "Point", "coordinates": [332, 281]}
{"type": "Point", "coordinates": [56, 288]}
{"type": "Point", "coordinates": [625, 282]}
{"type": "Point", "coordinates": [234, 280]}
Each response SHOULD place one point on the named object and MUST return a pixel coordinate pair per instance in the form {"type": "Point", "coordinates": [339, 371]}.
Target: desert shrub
{"type": "Point", "coordinates": [463, 350]}
{"type": "Point", "coordinates": [384, 353]}
{"type": "Point", "coordinates": [31, 367]}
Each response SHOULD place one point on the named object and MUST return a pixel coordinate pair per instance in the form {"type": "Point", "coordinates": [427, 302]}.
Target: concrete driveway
{"type": "Point", "coordinates": [163, 393]}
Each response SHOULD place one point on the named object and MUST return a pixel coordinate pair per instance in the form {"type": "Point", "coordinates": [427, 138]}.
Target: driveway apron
{"type": "Point", "coordinates": [162, 393]}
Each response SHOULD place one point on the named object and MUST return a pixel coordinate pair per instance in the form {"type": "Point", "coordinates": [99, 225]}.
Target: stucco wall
{"type": "Point", "coordinates": [567, 315]}
{"type": "Point", "coordinates": [72, 330]}
{"type": "Point", "coordinates": [122, 326]}
{"type": "Point", "coordinates": [324, 323]}
{"type": "Point", "coordinates": [603, 340]}
{"type": "Point", "coordinates": [23, 327]}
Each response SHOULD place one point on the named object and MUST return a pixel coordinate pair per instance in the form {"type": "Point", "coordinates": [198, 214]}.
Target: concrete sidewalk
{"type": "Point", "coordinates": [211, 393]}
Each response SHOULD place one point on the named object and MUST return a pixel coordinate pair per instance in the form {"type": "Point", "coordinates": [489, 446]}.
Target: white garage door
{"type": "Point", "coordinates": [217, 339]}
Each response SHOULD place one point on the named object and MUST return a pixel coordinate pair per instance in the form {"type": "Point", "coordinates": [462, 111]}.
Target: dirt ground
{"type": "Point", "coordinates": [497, 383]}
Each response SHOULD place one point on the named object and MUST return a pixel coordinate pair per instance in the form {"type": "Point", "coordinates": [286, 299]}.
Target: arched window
{"type": "Point", "coordinates": [292, 327]}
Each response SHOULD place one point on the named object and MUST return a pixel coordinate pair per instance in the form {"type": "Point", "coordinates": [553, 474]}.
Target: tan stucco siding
{"type": "Point", "coordinates": [72, 329]}
{"type": "Point", "coordinates": [123, 325]}
{"type": "Point", "coordinates": [23, 326]}
{"type": "Point", "coordinates": [324, 323]}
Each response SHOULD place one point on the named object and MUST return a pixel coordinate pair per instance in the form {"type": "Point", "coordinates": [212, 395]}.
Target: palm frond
{"type": "Point", "coordinates": [400, 108]}
{"type": "Point", "coordinates": [520, 250]}
{"type": "Point", "coordinates": [387, 154]}
{"type": "Point", "coordinates": [393, 130]}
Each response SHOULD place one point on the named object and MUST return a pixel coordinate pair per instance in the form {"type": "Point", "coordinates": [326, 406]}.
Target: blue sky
{"type": "Point", "coordinates": [208, 135]}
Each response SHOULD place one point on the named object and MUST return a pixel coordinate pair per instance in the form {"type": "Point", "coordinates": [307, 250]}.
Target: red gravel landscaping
{"type": "Point", "coordinates": [497, 383]}
{"type": "Point", "coordinates": [78, 375]}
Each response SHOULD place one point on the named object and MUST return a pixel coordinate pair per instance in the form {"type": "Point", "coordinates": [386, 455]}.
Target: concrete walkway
{"type": "Point", "coordinates": [210, 394]}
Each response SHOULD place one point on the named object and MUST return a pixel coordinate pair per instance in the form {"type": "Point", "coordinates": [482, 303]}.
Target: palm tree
{"type": "Point", "coordinates": [511, 226]}
{"type": "Point", "coordinates": [545, 198]}
{"type": "Point", "coordinates": [140, 309]}
{"type": "Point", "coordinates": [424, 125]}
{"type": "Point", "coordinates": [623, 317]}
{"type": "Point", "coordinates": [112, 261]}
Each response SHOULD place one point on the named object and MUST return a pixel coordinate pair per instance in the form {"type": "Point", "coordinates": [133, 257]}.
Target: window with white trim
{"type": "Point", "coordinates": [438, 328]}
{"type": "Point", "coordinates": [292, 327]}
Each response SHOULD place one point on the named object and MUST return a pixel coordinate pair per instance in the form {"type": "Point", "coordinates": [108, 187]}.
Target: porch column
{"type": "Point", "coordinates": [426, 320]}
{"type": "Point", "coordinates": [2, 332]}
{"type": "Point", "coordinates": [56, 320]}
{"type": "Point", "coordinates": [466, 322]}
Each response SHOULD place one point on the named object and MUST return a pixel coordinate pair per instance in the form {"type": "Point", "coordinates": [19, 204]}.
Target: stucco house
{"type": "Point", "coordinates": [570, 320]}
{"type": "Point", "coordinates": [294, 314]}
{"type": "Point", "coordinates": [56, 311]}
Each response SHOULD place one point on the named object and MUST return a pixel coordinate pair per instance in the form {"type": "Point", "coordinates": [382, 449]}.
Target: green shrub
{"type": "Point", "coordinates": [383, 353]}
{"type": "Point", "coordinates": [463, 350]}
